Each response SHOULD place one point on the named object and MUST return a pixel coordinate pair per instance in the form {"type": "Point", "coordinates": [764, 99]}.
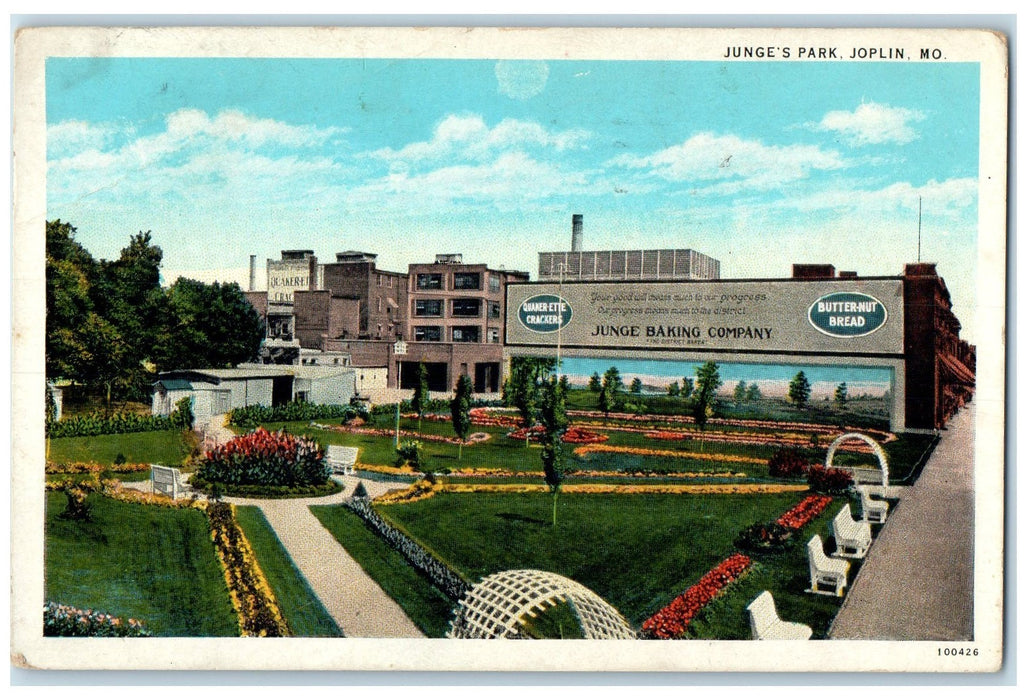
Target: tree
{"type": "Point", "coordinates": [636, 386]}
{"type": "Point", "coordinates": [673, 389]}
{"type": "Point", "coordinates": [799, 390]}
{"type": "Point", "coordinates": [207, 326]}
{"type": "Point", "coordinates": [753, 393]}
{"type": "Point", "coordinates": [565, 384]}
{"type": "Point", "coordinates": [460, 408]}
{"type": "Point", "coordinates": [553, 413]}
{"type": "Point", "coordinates": [741, 392]}
{"type": "Point", "coordinates": [608, 394]}
{"type": "Point", "coordinates": [421, 395]}
{"type": "Point", "coordinates": [69, 269]}
{"type": "Point", "coordinates": [522, 388]}
{"type": "Point", "coordinates": [841, 394]}
{"type": "Point", "coordinates": [595, 383]}
{"type": "Point", "coordinates": [707, 383]}
{"type": "Point", "coordinates": [687, 387]}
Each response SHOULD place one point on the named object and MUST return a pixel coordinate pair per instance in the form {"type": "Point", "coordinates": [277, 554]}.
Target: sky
{"type": "Point", "coordinates": [759, 165]}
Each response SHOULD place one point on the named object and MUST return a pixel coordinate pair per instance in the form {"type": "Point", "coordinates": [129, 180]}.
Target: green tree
{"type": "Point", "coordinates": [460, 408]}
{"type": "Point", "coordinates": [207, 326]}
{"type": "Point", "coordinates": [595, 383]}
{"type": "Point", "coordinates": [553, 413]}
{"type": "Point", "coordinates": [741, 392]}
{"type": "Point", "coordinates": [687, 387]}
{"type": "Point", "coordinates": [522, 388]}
{"type": "Point", "coordinates": [69, 269]}
{"type": "Point", "coordinates": [753, 393]}
{"type": "Point", "coordinates": [636, 386]}
{"type": "Point", "coordinates": [612, 384]}
{"type": "Point", "coordinates": [841, 394]}
{"type": "Point", "coordinates": [707, 382]}
{"type": "Point", "coordinates": [799, 390]}
{"type": "Point", "coordinates": [419, 401]}
{"type": "Point", "coordinates": [673, 389]}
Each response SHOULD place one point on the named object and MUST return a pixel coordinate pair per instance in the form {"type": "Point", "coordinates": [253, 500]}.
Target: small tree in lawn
{"type": "Point", "coordinates": [753, 393]}
{"type": "Point", "coordinates": [707, 383]}
{"type": "Point", "coordinates": [420, 399]}
{"type": "Point", "coordinates": [636, 386]}
{"type": "Point", "coordinates": [673, 389]}
{"type": "Point", "coordinates": [741, 392]}
{"type": "Point", "coordinates": [608, 394]}
{"type": "Point", "coordinates": [799, 390]}
{"type": "Point", "coordinates": [687, 387]}
{"type": "Point", "coordinates": [595, 383]}
{"type": "Point", "coordinates": [460, 408]}
{"type": "Point", "coordinates": [553, 414]}
{"type": "Point", "coordinates": [841, 394]}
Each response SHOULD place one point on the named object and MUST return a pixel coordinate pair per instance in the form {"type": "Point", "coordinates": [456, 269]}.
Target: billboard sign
{"type": "Point", "coordinates": [847, 314]}
{"type": "Point", "coordinates": [544, 313]}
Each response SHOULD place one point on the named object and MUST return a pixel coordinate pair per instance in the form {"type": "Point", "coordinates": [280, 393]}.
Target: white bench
{"type": "Point", "coordinates": [825, 570]}
{"type": "Point", "coordinates": [766, 624]}
{"type": "Point", "coordinates": [874, 510]}
{"type": "Point", "coordinates": [342, 460]}
{"type": "Point", "coordinates": [852, 538]}
{"type": "Point", "coordinates": [168, 481]}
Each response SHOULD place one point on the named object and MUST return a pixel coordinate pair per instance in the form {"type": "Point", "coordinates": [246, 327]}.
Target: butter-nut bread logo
{"type": "Point", "coordinates": [544, 313]}
{"type": "Point", "coordinates": [847, 314]}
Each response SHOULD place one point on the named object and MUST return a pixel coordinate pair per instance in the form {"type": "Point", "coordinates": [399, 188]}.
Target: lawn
{"type": "Point", "coordinates": [169, 447]}
{"type": "Point", "coordinates": [153, 564]}
{"type": "Point", "coordinates": [636, 551]}
{"type": "Point", "coordinates": [300, 606]}
{"type": "Point", "coordinates": [429, 609]}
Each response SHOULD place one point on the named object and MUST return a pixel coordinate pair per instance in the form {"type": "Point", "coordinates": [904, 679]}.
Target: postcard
{"type": "Point", "coordinates": [569, 349]}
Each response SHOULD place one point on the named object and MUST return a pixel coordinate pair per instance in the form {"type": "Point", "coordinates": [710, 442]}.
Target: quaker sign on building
{"type": "Point", "coordinates": [285, 277]}
{"type": "Point", "coordinates": [835, 316]}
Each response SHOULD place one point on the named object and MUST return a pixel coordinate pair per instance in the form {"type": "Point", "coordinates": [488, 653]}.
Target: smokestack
{"type": "Point", "coordinates": [253, 273]}
{"type": "Point", "coordinates": [576, 232]}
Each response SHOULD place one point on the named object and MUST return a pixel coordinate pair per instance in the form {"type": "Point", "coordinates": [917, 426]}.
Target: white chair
{"type": "Point", "coordinates": [168, 481]}
{"type": "Point", "coordinates": [342, 460]}
{"type": "Point", "coordinates": [766, 624]}
{"type": "Point", "coordinates": [825, 570]}
{"type": "Point", "coordinates": [874, 510]}
{"type": "Point", "coordinates": [852, 538]}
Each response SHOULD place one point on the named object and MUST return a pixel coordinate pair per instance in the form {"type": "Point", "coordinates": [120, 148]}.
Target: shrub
{"type": "Point", "coordinates": [65, 621]}
{"type": "Point", "coordinates": [787, 463]}
{"type": "Point", "coordinates": [93, 424]}
{"type": "Point", "coordinates": [253, 416]}
{"type": "Point", "coordinates": [825, 480]}
{"type": "Point", "coordinates": [410, 454]}
{"type": "Point", "coordinates": [183, 416]}
{"type": "Point", "coordinates": [360, 491]}
{"type": "Point", "coordinates": [763, 537]}
{"type": "Point", "coordinates": [267, 459]}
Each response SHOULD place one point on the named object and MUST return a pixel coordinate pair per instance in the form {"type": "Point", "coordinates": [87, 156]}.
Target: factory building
{"type": "Point", "coordinates": [583, 265]}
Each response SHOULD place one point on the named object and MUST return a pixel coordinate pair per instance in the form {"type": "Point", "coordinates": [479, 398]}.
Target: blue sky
{"type": "Point", "coordinates": [757, 164]}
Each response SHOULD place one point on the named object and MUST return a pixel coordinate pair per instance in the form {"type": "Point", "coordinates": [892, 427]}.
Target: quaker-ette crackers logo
{"type": "Point", "coordinates": [847, 314]}
{"type": "Point", "coordinates": [544, 313]}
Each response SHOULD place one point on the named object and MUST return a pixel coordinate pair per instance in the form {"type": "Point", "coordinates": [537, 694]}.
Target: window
{"type": "Point", "coordinates": [428, 334]}
{"type": "Point", "coordinates": [379, 304]}
{"type": "Point", "coordinates": [466, 280]}
{"type": "Point", "coordinates": [428, 307]}
{"type": "Point", "coordinates": [495, 310]}
{"type": "Point", "coordinates": [429, 280]}
{"type": "Point", "coordinates": [466, 334]}
{"type": "Point", "coordinates": [379, 280]}
{"type": "Point", "coordinates": [493, 335]}
{"type": "Point", "coordinates": [467, 307]}
{"type": "Point", "coordinates": [493, 283]}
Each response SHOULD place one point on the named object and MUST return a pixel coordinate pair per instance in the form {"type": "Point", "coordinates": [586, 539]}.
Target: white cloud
{"type": "Point", "coordinates": [745, 164]}
{"type": "Point", "coordinates": [74, 136]}
{"type": "Point", "coordinates": [522, 80]}
{"type": "Point", "coordinates": [468, 137]}
{"type": "Point", "coordinates": [872, 123]}
{"type": "Point", "coordinates": [235, 126]}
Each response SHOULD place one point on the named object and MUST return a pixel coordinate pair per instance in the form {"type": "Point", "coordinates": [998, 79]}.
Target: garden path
{"type": "Point", "coordinates": [917, 580]}
{"type": "Point", "coordinates": [356, 602]}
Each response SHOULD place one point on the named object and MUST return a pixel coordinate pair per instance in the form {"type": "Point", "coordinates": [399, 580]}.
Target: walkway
{"type": "Point", "coordinates": [356, 602]}
{"type": "Point", "coordinates": [917, 580]}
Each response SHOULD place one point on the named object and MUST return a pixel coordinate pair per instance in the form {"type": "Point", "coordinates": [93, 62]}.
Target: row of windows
{"type": "Point", "coordinates": [464, 281]}
{"type": "Point", "coordinates": [466, 308]}
{"type": "Point", "coordinates": [458, 334]}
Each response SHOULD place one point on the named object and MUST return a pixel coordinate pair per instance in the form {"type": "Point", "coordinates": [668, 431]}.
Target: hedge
{"type": "Point", "coordinates": [96, 423]}
{"type": "Point", "coordinates": [252, 416]}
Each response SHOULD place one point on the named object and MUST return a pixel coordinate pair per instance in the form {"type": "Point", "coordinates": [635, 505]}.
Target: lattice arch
{"type": "Point", "coordinates": [494, 608]}
{"type": "Point", "coordinates": [882, 459]}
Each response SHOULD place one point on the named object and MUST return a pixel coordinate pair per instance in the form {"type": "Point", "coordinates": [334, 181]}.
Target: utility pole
{"type": "Point", "coordinates": [919, 221]}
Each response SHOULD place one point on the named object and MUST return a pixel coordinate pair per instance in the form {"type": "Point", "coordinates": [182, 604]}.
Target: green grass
{"type": "Point", "coordinates": [303, 611]}
{"type": "Point", "coordinates": [429, 609]}
{"type": "Point", "coordinates": [153, 564]}
{"type": "Point", "coordinates": [168, 447]}
{"type": "Point", "coordinates": [557, 622]}
{"type": "Point", "coordinates": [636, 551]}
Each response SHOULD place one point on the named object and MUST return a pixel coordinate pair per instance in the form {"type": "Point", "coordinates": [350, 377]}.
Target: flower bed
{"type": "Point", "coordinates": [807, 509]}
{"type": "Point", "coordinates": [91, 468]}
{"type": "Point", "coordinates": [255, 604]}
{"type": "Point", "coordinates": [645, 452]}
{"type": "Point", "coordinates": [721, 489]}
{"type": "Point", "coordinates": [65, 621]}
{"type": "Point", "coordinates": [828, 479]}
{"type": "Point", "coordinates": [267, 459]}
{"type": "Point", "coordinates": [672, 621]}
